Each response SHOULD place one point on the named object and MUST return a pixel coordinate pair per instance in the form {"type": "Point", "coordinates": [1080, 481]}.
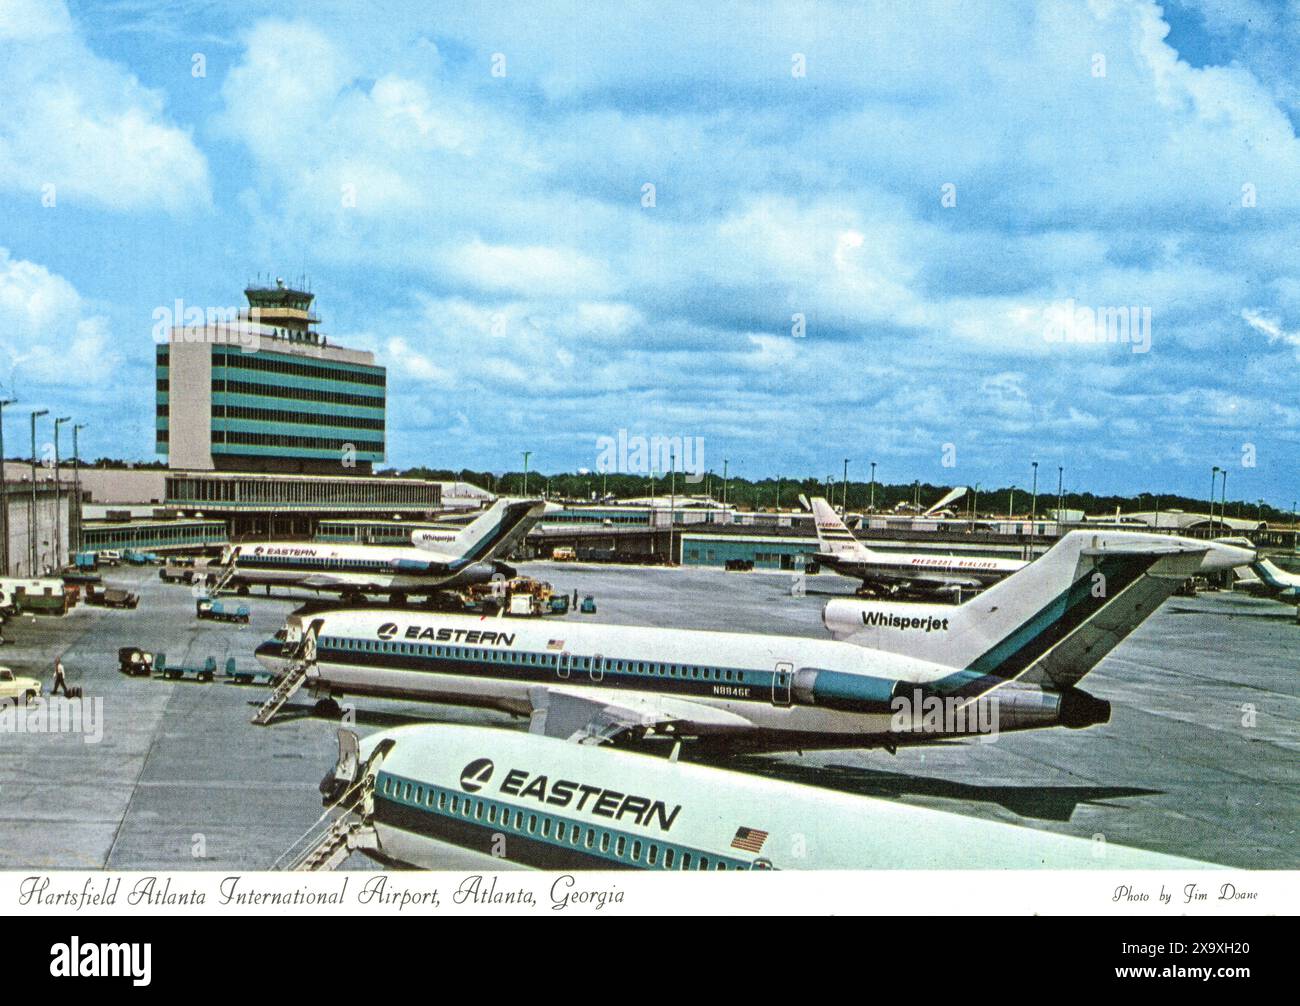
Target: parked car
{"type": "Point", "coordinates": [13, 687]}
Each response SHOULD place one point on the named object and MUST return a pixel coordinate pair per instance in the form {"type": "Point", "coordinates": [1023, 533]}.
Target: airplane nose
{"type": "Point", "coordinates": [1222, 556]}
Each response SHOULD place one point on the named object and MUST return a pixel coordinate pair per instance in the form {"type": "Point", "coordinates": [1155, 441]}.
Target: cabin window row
{"type": "Point", "coordinates": [611, 844]}
{"type": "Point", "coordinates": [543, 660]}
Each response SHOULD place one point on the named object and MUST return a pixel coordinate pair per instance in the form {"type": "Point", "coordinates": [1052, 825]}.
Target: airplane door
{"type": "Point", "coordinates": [782, 682]}
{"type": "Point", "coordinates": [564, 664]}
{"type": "Point", "coordinates": [597, 668]}
{"type": "Point", "coordinates": [308, 651]}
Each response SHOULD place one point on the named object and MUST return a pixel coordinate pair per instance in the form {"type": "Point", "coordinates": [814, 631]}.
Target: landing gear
{"type": "Point", "coordinates": [354, 597]}
{"type": "Point", "coordinates": [399, 598]}
{"type": "Point", "coordinates": [242, 590]}
{"type": "Point", "coordinates": [327, 709]}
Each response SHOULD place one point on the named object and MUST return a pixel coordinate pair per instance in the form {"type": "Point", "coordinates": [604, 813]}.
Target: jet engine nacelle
{"type": "Point", "coordinates": [481, 572]}
{"type": "Point", "coordinates": [1011, 707]}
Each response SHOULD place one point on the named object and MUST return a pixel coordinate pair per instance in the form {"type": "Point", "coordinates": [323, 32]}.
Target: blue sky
{"type": "Point", "coordinates": [927, 195]}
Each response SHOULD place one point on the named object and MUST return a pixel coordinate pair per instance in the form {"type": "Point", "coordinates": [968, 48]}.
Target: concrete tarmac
{"type": "Point", "coordinates": [1200, 758]}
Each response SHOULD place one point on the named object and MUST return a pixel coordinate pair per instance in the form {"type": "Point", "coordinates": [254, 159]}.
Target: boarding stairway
{"type": "Point", "coordinates": [284, 690]}
{"type": "Point", "coordinates": [344, 836]}
{"type": "Point", "coordinates": [332, 839]}
{"type": "Point", "coordinates": [227, 574]}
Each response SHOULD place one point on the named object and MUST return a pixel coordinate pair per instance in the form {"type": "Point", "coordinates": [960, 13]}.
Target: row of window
{"type": "Point", "coordinates": [297, 394]}
{"type": "Point", "coordinates": [145, 537]}
{"type": "Point", "coordinates": [244, 438]}
{"type": "Point", "coordinates": [284, 416]}
{"type": "Point", "coordinates": [338, 565]}
{"type": "Point", "coordinates": [597, 663]}
{"type": "Point", "coordinates": [278, 363]}
{"type": "Point", "coordinates": [362, 492]}
{"type": "Point", "coordinates": [558, 831]}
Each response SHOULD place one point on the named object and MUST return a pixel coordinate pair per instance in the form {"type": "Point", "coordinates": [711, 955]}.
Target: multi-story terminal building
{"type": "Point", "coordinates": [263, 391]}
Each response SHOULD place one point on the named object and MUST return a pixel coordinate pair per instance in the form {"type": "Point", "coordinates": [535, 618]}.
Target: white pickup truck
{"type": "Point", "coordinates": [14, 687]}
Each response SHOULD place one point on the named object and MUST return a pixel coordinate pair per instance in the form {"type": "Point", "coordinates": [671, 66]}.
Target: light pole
{"type": "Point", "coordinates": [527, 455]}
{"type": "Point", "coordinates": [1214, 478]}
{"type": "Point", "coordinates": [31, 514]}
{"type": "Point", "coordinates": [1033, 506]}
{"type": "Point", "coordinates": [1060, 494]}
{"type": "Point", "coordinates": [1223, 501]}
{"type": "Point", "coordinates": [844, 491]}
{"type": "Point", "coordinates": [872, 504]}
{"type": "Point", "coordinates": [724, 481]}
{"type": "Point", "coordinates": [76, 477]}
{"type": "Point", "coordinates": [4, 495]}
{"type": "Point", "coordinates": [1011, 503]}
{"type": "Point", "coordinates": [58, 496]}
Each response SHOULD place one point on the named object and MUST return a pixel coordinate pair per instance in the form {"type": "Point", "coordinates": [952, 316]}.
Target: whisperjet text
{"type": "Point", "coordinates": [885, 620]}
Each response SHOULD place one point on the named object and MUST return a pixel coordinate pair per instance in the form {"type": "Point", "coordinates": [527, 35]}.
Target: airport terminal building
{"type": "Point", "coordinates": [265, 392]}
{"type": "Point", "coordinates": [267, 429]}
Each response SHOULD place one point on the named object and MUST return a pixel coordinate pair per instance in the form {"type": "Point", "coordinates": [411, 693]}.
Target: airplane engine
{"type": "Point", "coordinates": [482, 572]}
{"type": "Point", "coordinates": [1012, 707]}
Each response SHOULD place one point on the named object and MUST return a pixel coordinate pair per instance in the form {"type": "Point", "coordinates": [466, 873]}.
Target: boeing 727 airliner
{"type": "Point", "coordinates": [903, 574]}
{"type": "Point", "coordinates": [1022, 645]}
{"type": "Point", "coordinates": [483, 798]}
{"type": "Point", "coordinates": [436, 561]}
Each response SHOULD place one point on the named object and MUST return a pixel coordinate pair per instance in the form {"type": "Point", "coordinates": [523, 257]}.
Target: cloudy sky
{"type": "Point", "coordinates": [801, 231]}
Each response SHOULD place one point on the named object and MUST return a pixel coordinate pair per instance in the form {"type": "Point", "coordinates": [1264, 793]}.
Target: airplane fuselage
{"type": "Point", "coordinates": [359, 568]}
{"type": "Point", "coordinates": [922, 571]}
{"type": "Point", "coordinates": [745, 689]}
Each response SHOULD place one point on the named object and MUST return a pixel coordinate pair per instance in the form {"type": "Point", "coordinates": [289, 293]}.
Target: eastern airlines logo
{"type": "Point", "coordinates": [597, 800]}
{"type": "Point", "coordinates": [390, 630]}
{"type": "Point", "coordinates": [476, 774]}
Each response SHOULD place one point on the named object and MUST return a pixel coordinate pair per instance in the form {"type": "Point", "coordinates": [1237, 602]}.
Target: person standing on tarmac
{"type": "Point", "coordinates": [60, 677]}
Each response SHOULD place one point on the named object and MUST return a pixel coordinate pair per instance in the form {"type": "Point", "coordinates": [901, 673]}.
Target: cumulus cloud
{"type": "Point", "coordinates": [649, 220]}
{"type": "Point", "coordinates": [48, 335]}
{"type": "Point", "coordinates": [83, 125]}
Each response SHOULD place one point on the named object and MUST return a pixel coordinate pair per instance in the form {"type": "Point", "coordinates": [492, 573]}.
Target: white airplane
{"type": "Point", "coordinates": [436, 560]}
{"type": "Point", "coordinates": [1271, 581]}
{"type": "Point", "coordinates": [485, 798]}
{"type": "Point", "coordinates": [1021, 647]}
{"type": "Point", "coordinates": [901, 573]}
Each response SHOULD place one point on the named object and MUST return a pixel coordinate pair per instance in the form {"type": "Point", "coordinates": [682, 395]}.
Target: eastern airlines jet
{"type": "Point", "coordinates": [1273, 582]}
{"type": "Point", "coordinates": [437, 560]}
{"type": "Point", "coordinates": [901, 573]}
{"type": "Point", "coordinates": [1021, 646]}
{"type": "Point", "coordinates": [482, 798]}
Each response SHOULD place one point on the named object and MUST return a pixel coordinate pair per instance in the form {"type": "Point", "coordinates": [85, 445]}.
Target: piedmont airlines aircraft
{"type": "Point", "coordinates": [1024, 645]}
{"type": "Point", "coordinates": [900, 573]}
{"type": "Point", "coordinates": [443, 797]}
{"type": "Point", "coordinates": [437, 560]}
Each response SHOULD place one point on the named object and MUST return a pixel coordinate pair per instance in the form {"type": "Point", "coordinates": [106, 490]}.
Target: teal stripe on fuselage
{"type": "Point", "coordinates": [473, 809]}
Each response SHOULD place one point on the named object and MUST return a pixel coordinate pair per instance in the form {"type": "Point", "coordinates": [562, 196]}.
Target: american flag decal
{"type": "Point", "coordinates": [749, 839]}
{"type": "Point", "coordinates": [555, 644]}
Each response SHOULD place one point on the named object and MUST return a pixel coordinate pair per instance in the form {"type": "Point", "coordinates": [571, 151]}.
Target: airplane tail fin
{"type": "Point", "coordinates": [495, 532]}
{"type": "Point", "coordinates": [1272, 577]}
{"type": "Point", "coordinates": [1050, 622]}
{"type": "Point", "coordinates": [833, 534]}
{"type": "Point", "coordinates": [951, 497]}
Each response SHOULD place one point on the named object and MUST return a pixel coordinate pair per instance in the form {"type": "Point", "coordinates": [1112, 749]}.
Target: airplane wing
{"type": "Point", "coordinates": [323, 581]}
{"type": "Point", "coordinates": [568, 715]}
